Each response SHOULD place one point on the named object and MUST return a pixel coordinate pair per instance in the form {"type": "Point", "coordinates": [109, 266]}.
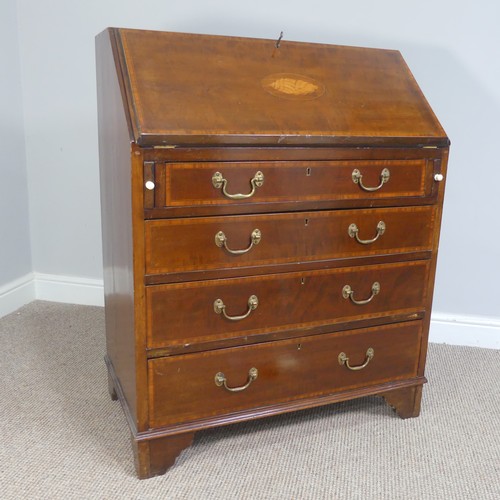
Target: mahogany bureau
{"type": "Point", "coordinates": [271, 215]}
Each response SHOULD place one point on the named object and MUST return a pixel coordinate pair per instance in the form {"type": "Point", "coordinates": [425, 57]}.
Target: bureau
{"type": "Point", "coordinates": [270, 213]}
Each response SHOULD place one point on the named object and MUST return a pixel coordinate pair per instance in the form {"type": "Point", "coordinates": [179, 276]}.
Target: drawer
{"type": "Point", "coordinates": [198, 184]}
{"type": "Point", "coordinates": [207, 243]}
{"type": "Point", "coordinates": [228, 308]}
{"type": "Point", "coordinates": [184, 388]}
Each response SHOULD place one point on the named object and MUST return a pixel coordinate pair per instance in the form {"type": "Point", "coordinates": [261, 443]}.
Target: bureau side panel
{"type": "Point", "coordinates": [440, 168]}
{"type": "Point", "coordinates": [116, 207]}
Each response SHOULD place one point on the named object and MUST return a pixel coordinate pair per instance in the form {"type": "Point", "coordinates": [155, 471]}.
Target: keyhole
{"type": "Point", "coordinates": [308, 171]}
{"type": "Point", "coordinates": [299, 347]}
{"type": "Point", "coordinates": [302, 281]}
{"type": "Point", "coordinates": [306, 222]}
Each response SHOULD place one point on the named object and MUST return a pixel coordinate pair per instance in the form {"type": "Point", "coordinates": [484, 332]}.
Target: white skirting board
{"type": "Point", "coordinates": [478, 331]}
{"type": "Point", "coordinates": [69, 289]}
{"type": "Point", "coordinates": [51, 287]}
{"type": "Point", "coordinates": [15, 294]}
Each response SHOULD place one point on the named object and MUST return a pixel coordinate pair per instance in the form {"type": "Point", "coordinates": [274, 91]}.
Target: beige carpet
{"type": "Point", "coordinates": [63, 438]}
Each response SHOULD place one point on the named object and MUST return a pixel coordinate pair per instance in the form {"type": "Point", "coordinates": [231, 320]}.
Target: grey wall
{"type": "Point", "coordinates": [452, 48]}
{"type": "Point", "coordinates": [15, 252]}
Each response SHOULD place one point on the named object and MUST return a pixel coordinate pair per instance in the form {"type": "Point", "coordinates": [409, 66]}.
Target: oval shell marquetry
{"type": "Point", "coordinates": [292, 86]}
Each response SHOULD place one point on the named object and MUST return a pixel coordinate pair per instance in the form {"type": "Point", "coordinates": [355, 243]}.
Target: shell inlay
{"type": "Point", "coordinates": [291, 86]}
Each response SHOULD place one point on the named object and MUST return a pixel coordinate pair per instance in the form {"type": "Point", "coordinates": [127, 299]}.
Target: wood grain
{"type": "Point", "coordinates": [176, 108]}
{"type": "Point", "coordinates": [191, 183]}
{"type": "Point", "coordinates": [406, 402]}
{"type": "Point", "coordinates": [117, 227]}
{"type": "Point", "coordinates": [215, 94]}
{"type": "Point", "coordinates": [178, 245]}
{"type": "Point", "coordinates": [154, 457]}
{"type": "Point", "coordinates": [289, 369]}
{"type": "Point", "coordinates": [286, 302]}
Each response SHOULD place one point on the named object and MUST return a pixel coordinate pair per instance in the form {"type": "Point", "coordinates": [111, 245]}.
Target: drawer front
{"type": "Point", "coordinates": [220, 183]}
{"type": "Point", "coordinates": [204, 243]}
{"type": "Point", "coordinates": [221, 309]}
{"type": "Point", "coordinates": [183, 388]}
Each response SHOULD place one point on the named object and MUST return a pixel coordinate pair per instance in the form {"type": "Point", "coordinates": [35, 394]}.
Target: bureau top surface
{"type": "Point", "coordinates": [186, 89]}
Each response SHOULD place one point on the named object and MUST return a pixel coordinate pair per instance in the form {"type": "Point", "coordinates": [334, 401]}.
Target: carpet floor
{"type": "Point", "coordinates": [63, 438]}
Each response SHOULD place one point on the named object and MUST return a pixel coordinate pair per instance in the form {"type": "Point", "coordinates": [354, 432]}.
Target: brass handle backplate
{"type": "Point", "coordinates": [219, 181]}
{"type": "Point", "coordinates": [348, 293]}
{"type": "Point", "coordinates": [221, 241]}
{"type": "Point", "coordinates": [220, 380]}
{"type": "Point", "coordinates": [344, 360]}
{"type": "Point", "coordinates": [220, 308]}
{"type": "Point", "coordinates": [357, 178]}
{"type": "Point", "coordinates": [353, 233]}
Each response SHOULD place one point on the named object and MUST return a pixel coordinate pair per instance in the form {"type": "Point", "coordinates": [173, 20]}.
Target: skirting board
{"type": "Point", "coordinates": [475, 331]}
{"type": "Point", "coordinates": [69, 289]}
{"type": "Point", "coordinates": [51, 287]}
{"type": "Point", "coordinates": [16, 293]}
{"type": "Point", "coordinates": [478, 331]}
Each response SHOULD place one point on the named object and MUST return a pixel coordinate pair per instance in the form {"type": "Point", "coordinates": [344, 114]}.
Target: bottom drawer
{"type": "Point", "coordinates": [192, 386]}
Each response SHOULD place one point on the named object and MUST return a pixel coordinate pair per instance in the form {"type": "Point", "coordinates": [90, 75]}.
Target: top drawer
{"type": "Point", "coordinates": [226, 187]}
